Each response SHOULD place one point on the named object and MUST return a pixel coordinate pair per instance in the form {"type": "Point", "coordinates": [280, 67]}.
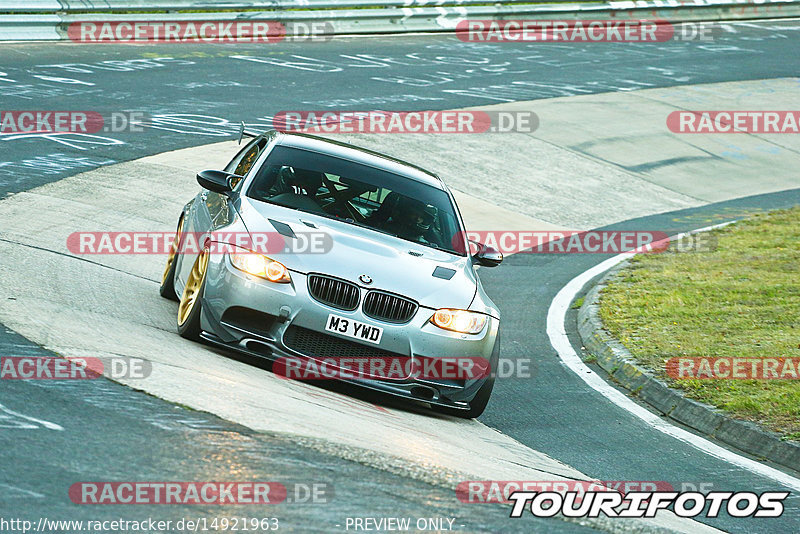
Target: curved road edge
{"type": "Point", "coordinates": [556, 319]}
{"type": "Point", "coordinates": [616, 360]}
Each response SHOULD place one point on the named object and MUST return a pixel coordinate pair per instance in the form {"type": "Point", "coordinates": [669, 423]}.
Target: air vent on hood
{"type": "Point", "coordinates": [443, 272]}
{"type": "Point", "coordinates": [282, 228]}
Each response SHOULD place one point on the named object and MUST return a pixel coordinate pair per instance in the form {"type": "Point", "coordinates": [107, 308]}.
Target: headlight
{"type": "Point", "coordinates": [463, 321]}
{"type": "Point", "coordinates": [261, 266]}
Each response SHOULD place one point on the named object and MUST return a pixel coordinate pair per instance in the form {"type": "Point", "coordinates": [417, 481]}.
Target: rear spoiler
{"type": "Point", "coordinates": [243, 132]}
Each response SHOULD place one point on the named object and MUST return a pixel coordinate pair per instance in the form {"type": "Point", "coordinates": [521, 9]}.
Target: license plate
{"type": "Point", "coordinates": [354, 329]}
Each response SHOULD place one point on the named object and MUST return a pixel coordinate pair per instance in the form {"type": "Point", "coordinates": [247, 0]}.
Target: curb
{"type": "Point", "coordinates": [617, 361]}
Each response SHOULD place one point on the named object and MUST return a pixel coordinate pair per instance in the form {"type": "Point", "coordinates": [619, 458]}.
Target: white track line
{"type": "Point", "coordinates": [46, 424]}
{"type": "Point", "coordinates": [556, 317]}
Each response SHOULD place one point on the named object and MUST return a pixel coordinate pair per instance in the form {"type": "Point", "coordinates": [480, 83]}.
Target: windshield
{"type": "Point", "coordinates": [357, 194]}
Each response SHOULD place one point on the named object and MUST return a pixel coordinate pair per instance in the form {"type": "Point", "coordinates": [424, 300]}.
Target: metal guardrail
{"type": "Point", "coordinates": [96, 6]}
{"type": "Point", "coordinates": [367, 17]}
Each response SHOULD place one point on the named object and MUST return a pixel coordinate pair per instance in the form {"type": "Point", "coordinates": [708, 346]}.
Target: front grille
{"type": "Point", "coordinates": [388, 307]}
{"type": "Point", "coordinates": [334, 292]}
{"type": "Point", "coordinates": [318, 345]}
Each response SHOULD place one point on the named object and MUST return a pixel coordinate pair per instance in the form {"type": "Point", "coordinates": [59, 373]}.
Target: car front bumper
{"type": "Point", "coordinates": [257, 317]}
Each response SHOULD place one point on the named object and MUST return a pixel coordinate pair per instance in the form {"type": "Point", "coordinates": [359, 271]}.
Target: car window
{"type": "Point", "coordinates": [358, 194]}
{"type": "Point", "coordinates": [244, 160]}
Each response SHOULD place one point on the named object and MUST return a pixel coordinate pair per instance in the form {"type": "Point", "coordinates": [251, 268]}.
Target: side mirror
{"type": "Point", "coordinates": [216, 181]}
{"type": "Point", "coordinates": [487, 256]}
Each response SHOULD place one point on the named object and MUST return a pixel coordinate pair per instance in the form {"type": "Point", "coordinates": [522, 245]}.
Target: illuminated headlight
{"type": "Point", "coordinates": [261, 266]}
{"type": "Point", "coordinates": [463, 321]}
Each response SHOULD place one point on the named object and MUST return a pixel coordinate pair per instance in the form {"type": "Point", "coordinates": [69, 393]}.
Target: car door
{"type": "Point", "coordinates": [211, 210]}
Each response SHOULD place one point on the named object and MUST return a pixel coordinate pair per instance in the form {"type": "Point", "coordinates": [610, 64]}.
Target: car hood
{"type": "Point", "coordinates": [393, 264]}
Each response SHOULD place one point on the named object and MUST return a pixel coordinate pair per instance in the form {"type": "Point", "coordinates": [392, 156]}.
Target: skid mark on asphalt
{"type": "Point", "coordinates": [13, 492]}
{"type": "Point", "coordinates": [100, 394]}
{"type": "Point", "coordinates": [11, 419]}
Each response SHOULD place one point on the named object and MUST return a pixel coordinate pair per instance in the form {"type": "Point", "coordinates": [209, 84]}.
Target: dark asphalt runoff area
{"type": "Point", "coordinates": [193, 95]}
{"type": "Point", "coordinates": [113, 433]}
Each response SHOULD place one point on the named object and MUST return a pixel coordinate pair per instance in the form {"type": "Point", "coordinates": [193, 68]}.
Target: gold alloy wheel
{"type": "Point", "coordinates": [173, 251]}
{"type": "Point", "coordinates": [193, 285]}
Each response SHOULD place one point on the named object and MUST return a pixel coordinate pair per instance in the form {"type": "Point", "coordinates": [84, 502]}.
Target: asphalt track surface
{"type": "Point", "coordinates": [116, 430]}
{"type": "Point", "coordinates": [560, 417]}
{"type": "Point", "coordinates": [112, 432]}
{"type": "Point", "coordinates": [225, 84]}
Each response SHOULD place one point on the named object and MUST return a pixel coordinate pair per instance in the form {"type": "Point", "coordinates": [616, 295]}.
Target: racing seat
{"type": "Point", "coordinates": [381, 215]}
{"type": "Point", "coordinates": [308, 181]}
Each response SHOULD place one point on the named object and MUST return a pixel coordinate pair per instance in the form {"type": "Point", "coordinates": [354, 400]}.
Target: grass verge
{"type": "Point", "coordinates": [741, 300]}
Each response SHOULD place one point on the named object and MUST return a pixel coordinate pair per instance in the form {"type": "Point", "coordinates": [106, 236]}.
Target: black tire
{"type": "Point", "coordinates": [476, 405]}
{"type": "Point", "coordinates": [167, 288]}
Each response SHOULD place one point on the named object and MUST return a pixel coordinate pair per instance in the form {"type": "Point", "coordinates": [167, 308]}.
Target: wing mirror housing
{"type": "Point", "coordinates": [487, 256]}
{"type": "Point", "coordinates": [216, 181]}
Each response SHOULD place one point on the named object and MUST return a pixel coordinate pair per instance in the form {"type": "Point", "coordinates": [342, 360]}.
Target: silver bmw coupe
{"type": "Point", "coordinates": [338, 262]}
